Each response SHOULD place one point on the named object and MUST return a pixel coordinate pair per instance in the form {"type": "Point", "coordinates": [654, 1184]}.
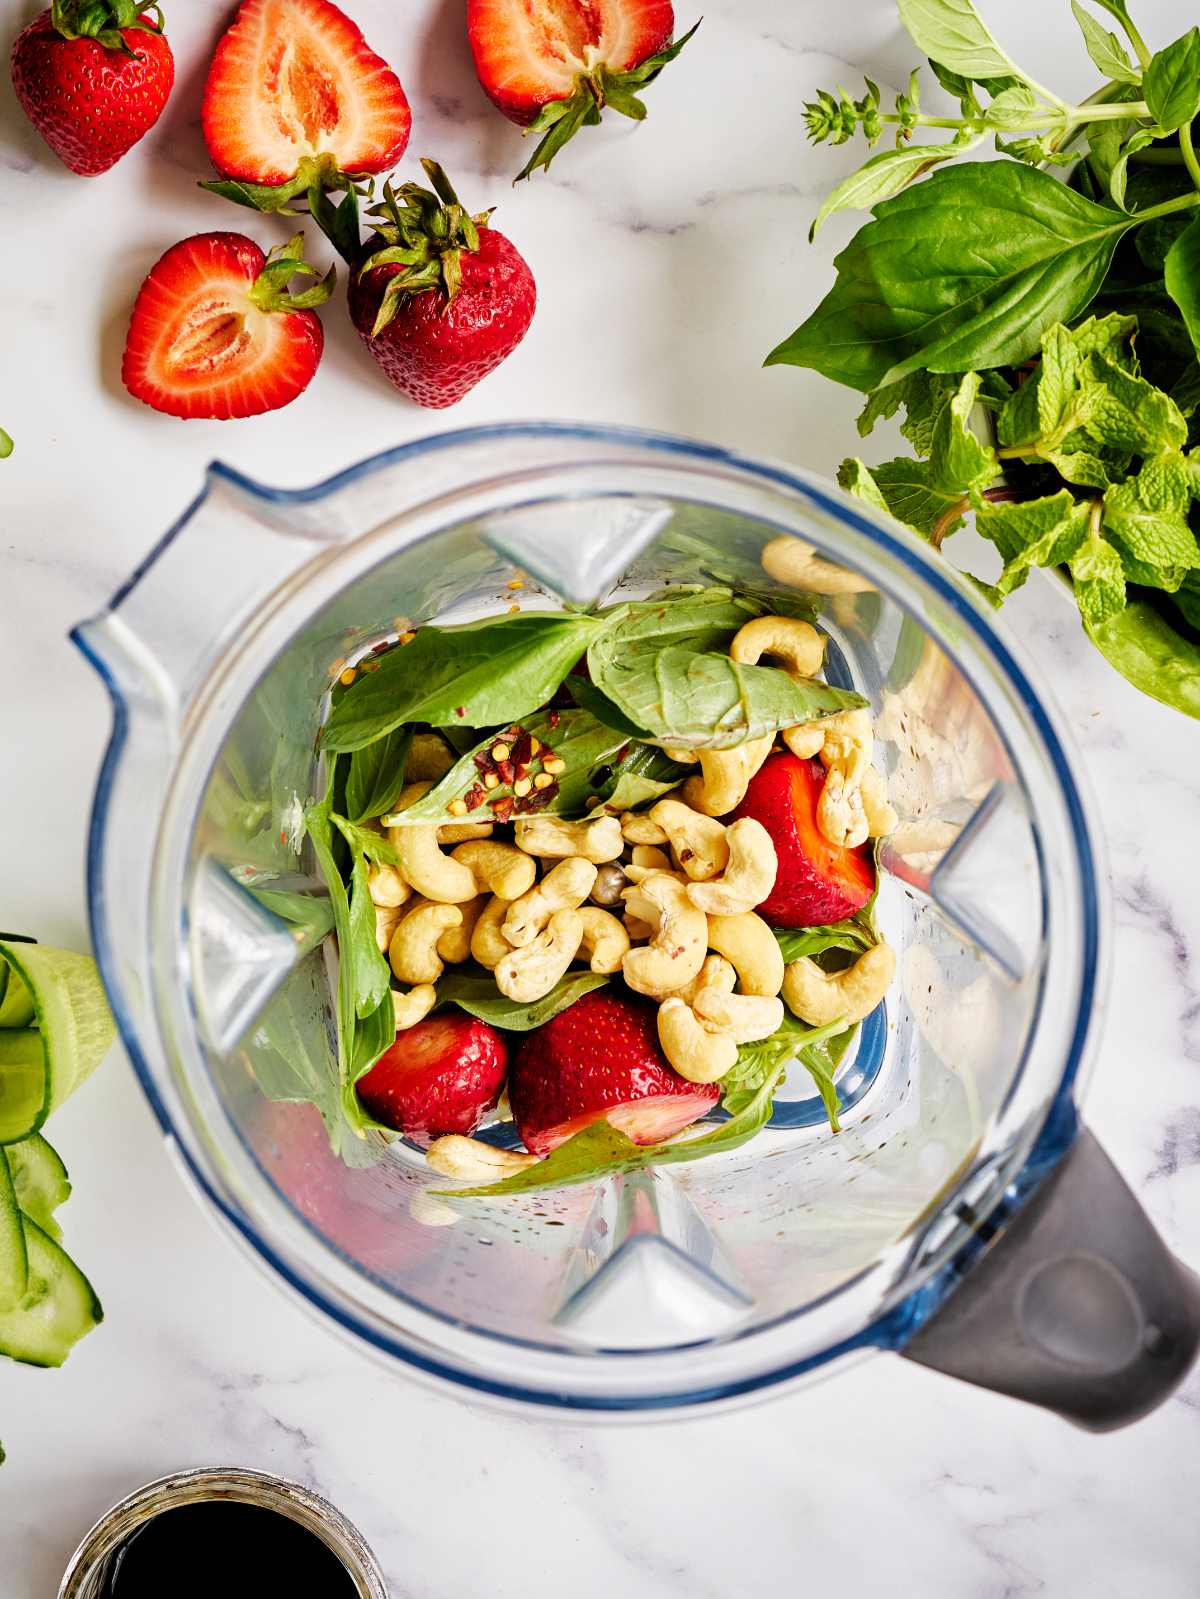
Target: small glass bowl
{"type": "Point", "coordinates": [91, 1562]}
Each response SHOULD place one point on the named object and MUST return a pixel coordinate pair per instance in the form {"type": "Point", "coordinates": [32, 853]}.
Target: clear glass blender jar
{"type": "Point", "coordinates": [959, 1217]}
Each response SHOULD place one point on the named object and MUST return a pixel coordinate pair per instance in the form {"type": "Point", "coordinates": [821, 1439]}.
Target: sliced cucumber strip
{"type": "Point", "coordinates": [75, 1023]}
{"type": "Point", "coordinates": [16, 1002]}
{"type": "Point", "coordinates": [39, 1180]}
{"type": "Point", "coordinates": [23, 1082]}
{"type": "Point", "coordinates": [14, 1261]}
{"type": "Point", "coordinates": [58, 1308]}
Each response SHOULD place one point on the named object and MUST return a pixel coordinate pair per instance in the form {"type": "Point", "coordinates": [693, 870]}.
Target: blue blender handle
{"type": "Point", "coordinates": [1076, 1305]}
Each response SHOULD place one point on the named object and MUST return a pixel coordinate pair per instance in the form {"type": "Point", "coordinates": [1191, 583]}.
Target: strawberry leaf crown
{"type": "Point", "coordinates": [597, 87]}
{"type": "Point", "coordinates": [104, 20]}
{"type": "Point", "coordinates": [315, 179]}
{"type": "Point", "coordinates": [426, 231]}
{"type": "Point", "coordinates": [269, 291]}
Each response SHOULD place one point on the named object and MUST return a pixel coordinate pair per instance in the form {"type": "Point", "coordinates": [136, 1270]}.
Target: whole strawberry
{"type": "Point", "coordinates": [93, 76]}
{"type": "Point", "coordinates": [445, 299]}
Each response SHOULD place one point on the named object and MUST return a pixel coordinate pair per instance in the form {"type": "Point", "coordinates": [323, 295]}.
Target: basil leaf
{"type": "Point", "coordinates": [479, 996]}
{"type": "Point", "coordinates": [600, 1151]}
{"type": "Point", "coordinates": [1106, 50]}
{"type": "Point", "coordinates": [575, 736]}
{"type": "Point", "coordinates": [1118, 178]}
{"type": "Point", "coordinates": [589, 698]}
{"type": "Point", "coordinates": [886, 174]}
{"type": "Point", "coordinates": [478, 675]}
{"type": "Point", "coordinates": [641, 773]}
{"type": "Point", "coordinates": [850, 935]}
{"type": "Point", "coordinates": [376, 775]}
{"type": "Point", "coordinates": [358, 950]}
{"type": "Point", "coordinates": [965, 271]}
{"type": "Point", "coordinates": [363, 841]}
{"type": "Point", "coordinates": [1149, 653]}
{"type": "Point", "coordinates": [953, 34]}
{"type": "Point", "coordinates": [1181, 274]}
{"type": "Point", "coordinates": [1171, 83]}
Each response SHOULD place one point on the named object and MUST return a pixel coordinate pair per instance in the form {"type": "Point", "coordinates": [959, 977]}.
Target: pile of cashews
{"type": "Point", "coordinates": [664, 897]}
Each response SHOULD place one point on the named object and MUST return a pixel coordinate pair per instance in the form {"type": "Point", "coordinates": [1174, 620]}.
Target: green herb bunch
{"type": "Point", "coordinates": [1037, 328]}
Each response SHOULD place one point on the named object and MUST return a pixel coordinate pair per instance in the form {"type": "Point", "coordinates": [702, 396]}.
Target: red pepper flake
{"type": "Point", "coordinates": [502, 808]}
{"type": "Point", "coordinates": [484, 761]}
{"type": "Point", "coordinates": [522, 750]}
{"type": "Point", "coordinates": [475, 796]}
{"type": "Point", "coordinates": [539, 799]}
{"type": "Point", "coordinates": [552, 719]}
{"type": "Point", "coordinates": [506, 771]}
{"type": "Point", "coordinates": [460, 710]}
{"type": "Point", "coordinates": [283, 835]}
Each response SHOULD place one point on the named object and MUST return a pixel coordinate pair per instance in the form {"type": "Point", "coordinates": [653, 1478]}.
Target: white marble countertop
{"type": "Point", "coordinates": [669, 260]}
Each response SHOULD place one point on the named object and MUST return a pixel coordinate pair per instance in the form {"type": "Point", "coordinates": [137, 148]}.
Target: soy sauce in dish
{"type": "Point", "coordinates": [223, 1548]}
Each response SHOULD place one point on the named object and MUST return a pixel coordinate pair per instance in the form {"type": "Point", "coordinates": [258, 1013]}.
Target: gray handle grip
{"type": "Point", "coordinates": [1077, 1306]}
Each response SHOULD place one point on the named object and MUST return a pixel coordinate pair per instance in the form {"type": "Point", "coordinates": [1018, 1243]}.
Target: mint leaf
{"type": "Point", "coordinates": [1148, 514]}
{"type": "Point", "coordinates": [962, 272]}
{"type": "Point", "coordinates": [478, 675]}
{"type": "Point", "coordinates": [1181, 274]}
{"type": "Point", "coordinates": [1106, 50]}
{"type": "Point", "coordinates": [1124, 412]}
{"type": "Point", "coordinates": [478, 995]}
{"type": "Point", "coordinates": [1171, 83]}
{"type": "Point", "coordinates": [1043, 532]}
{"type": "Point", "coordinates": [1099, 580]}
{"type": "Point", "coordinates": [855, 477]}
{"type": "Point", "coordinates": [959, 462]}
{"type": "Point", "coordinates": [909, 493]}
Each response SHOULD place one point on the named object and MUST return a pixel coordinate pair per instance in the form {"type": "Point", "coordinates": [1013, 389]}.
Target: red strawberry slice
{"type": "Point", "coordinates": [441, 1076]}
{"type": "Point", "coordinates": [93, 79]}
{"type": "Point", "coordinates": [601, 1058]}
{"type": "Point", "coordinates": [294, 80]}
{"type": "Point", "coordinates": [817, 882]}
{"type": "Point", "coordinates": [215, 334]}
{"type": "Point", "coordinates": [444, 298]}
{"type": "Point", "coordinates": [554, 65]}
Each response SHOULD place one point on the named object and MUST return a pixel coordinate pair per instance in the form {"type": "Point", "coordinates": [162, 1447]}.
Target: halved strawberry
{"type": "Point", "coordinates": [600, 1058]}
{"type": "Point", "coordinates": [817, 882]}
{"type": "Point", "coordinates": [296, 97]}
{"type": "Point", "coordinates": [553, 65]}
{"type": "Point", "coordinates": [214, 332]}
{"type": "Point", "coordinates": [441, 1076]}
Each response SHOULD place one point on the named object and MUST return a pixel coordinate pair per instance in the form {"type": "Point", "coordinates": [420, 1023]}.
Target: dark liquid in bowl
{"type": "Point", "coordinates": [229, 1551]}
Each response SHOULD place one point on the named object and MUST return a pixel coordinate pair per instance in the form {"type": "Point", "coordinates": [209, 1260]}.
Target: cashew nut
{"type": "Point", "coordinates": [413, 951]}
{"type": "Point", "coordinates": [488, 944]}
{"type": "Point", "coordinates": [794, 562]}
{"type": "Point", "coordinates": [564, 888]}
{"type": "Point", "coordinates": [639, 827]}
{"type": "Point", "coordinates": [459, 832]}
{"type": "Point", "coordinates": [605, 943]}
{"type": "Point", "coordinates": [679, 941]}
{"type": "Point", "coordinates": [414, 1006]}
{"type": "Point", "coordinates": [387, 919]}
{"type": "Point", "coordinates": [598, 840]}
{"type": "Point", "coordinates": [753, 949]}
{"type": "Point", "coordinates": [528, 973]}
{"type": "Point", "coordinates": [421, 862]}
{"type": "Point", "coordinates": [387, 887]}
{"type": "Point", "coordinates": [880, 814]}
{"type": "Point", "coordinates": [682, 757]}
{"type": "Point", "coordinates": [647, 858]}
{"type": "Point", "coordinates": [471, 1160]}
{"type": "Point", "coordinates": [429, 758]}
{"type": "Point", "coordinates": [694, 1052]}
{"type": "Point", "coordinates": [819, 997]}
{"type": "Point", "coordinates": [785, 637]}
{"type": "Point", "coordinates": [716, 973]}
{"type": "Point", "coordinates": [846, 755]}
{"type": "Point", "coordinates": [804, 740]}
{"type": "Point", "coordinates": [742, 1017]}
{"type": "Point", "coordinates": [610, 884]}
{"type": "Point", "coordinates": [726, 776]}
{"type": "Point", "coordinates": [698, 840]}
{"type": "Point", "coordinates": [747, 879]}
{"type": "Point", "coordinates": [454, 945]}
{"type": "Point", "coordinates": [496, 868]}
{"type": "Point", "coordinates": [638, 930]}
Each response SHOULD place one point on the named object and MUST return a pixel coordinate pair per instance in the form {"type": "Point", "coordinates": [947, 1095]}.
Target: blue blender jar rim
{"type": "Point", "coordinates": [895, 1325]}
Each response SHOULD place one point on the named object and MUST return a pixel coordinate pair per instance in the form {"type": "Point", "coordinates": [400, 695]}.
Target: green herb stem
{"type": "Point", "coordinates": [1188, 151]}
{"type": "Point", "coordinates": [1074, 117]}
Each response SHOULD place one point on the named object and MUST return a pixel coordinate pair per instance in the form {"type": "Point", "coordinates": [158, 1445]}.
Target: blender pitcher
{"type": "Point", "coordinates": [961, 1217]}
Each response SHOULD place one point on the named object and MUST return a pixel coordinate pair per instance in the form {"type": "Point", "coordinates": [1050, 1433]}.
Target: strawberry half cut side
{"type": "Point", "coordinates": [296, 99]}
{"type": "Point", "coordinates": [215, 333]}
{"type": "Point", "coordinates": [554, 65]}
